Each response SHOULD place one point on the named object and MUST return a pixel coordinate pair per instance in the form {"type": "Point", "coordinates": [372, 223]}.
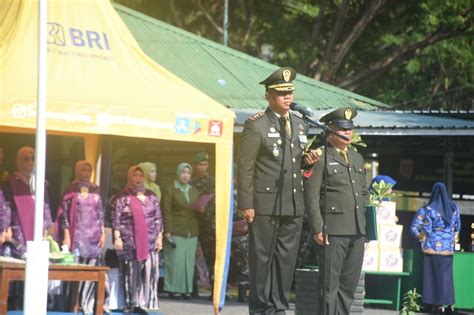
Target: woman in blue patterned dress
{"type": "Point", "coordinates": [436, 226]}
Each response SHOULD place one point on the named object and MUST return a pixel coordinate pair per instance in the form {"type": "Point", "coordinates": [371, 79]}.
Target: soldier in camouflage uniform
{"type": "Point", "coordinates": [239, 258]}
{"type": "Point", "coordinates": [205, 184]}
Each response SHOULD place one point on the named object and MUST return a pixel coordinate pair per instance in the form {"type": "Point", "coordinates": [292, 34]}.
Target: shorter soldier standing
{"type": "Point", "coordinates": [346, 199]}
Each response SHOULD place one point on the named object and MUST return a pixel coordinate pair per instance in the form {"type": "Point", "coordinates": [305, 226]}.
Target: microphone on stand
{"type": "Point", "coordinates": [300, 109]}
{"type": "Point", "coordinates": [306, 112]}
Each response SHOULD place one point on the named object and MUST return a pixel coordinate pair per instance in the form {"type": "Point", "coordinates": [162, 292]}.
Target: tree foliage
{"type": "Point", "coordinates": [411, 54]}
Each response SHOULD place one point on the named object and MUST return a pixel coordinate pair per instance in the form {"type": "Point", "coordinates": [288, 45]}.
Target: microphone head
{"type": "Point", "coordinates": [304, 111]}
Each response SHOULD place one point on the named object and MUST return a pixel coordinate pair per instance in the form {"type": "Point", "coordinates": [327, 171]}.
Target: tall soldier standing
{"type": "Point", "coordinates": [270, 193]}
{"type": "Point", "coordinates": [346, 199]}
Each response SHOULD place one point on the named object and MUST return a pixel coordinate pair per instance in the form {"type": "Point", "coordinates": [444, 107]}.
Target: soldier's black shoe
{"type": "Point", "coordinates": [242, 291]}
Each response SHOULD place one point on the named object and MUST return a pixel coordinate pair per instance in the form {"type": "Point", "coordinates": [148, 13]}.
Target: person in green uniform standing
{"type": "Point", "coordinates": [205, 184]}
{"type": "Point", "coordinates": [270, 193]}
{"type": "Point", "coordinates": [346, 199]}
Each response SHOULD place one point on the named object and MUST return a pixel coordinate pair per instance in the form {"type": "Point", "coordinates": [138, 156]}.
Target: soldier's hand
{"type": "Point", "coordinates": [248, 214]}
{"type": "Point", "coordinates": [312, 156]}
{"type": "Point", "coordinates": [318, 238]}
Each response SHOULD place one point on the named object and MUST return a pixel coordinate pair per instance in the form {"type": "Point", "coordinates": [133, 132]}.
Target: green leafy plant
{"type": "Point", "coordinates": [380, 191]}
{"type": "Point", "coordinates": [310, 143]}
{"type": "Point", "coordinates": [410, 302]}
{"type": "Point", "coordinates": [356, 141]}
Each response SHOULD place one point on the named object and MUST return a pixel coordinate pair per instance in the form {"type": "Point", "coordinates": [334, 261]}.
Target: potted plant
{"type": "Point", "coordinates": [410, 303]}
{"type": "Point", "coordinates": [380, 193]}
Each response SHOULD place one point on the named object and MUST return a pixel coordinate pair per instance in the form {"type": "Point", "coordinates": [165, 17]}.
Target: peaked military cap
{"type": "Point", "coordinates": [200, 156]}
{"type": "Point", "coordinates": [281, 80]}
{"type": "Point", "coordinates": [341, 117]}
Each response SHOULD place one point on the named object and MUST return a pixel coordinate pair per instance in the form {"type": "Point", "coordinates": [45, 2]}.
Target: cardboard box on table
{"type": "Point", "coordinates": [390, 260]}
{"type": "Point", "coordinates": [386, 212]}
{"type": "Point", "coordinates": [390, 235]}
{"type": "Point", "coordinates": [371, 259]}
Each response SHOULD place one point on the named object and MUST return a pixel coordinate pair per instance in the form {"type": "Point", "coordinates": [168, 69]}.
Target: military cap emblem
{"type": "Point", "coordinates": [281, 80]}
{"type": "Point", "coordinates": [348, 114]}
{"type": "Point", "coordinates": [286, 75]}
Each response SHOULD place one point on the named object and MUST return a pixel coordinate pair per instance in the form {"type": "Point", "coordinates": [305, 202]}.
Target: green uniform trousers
{"type": "Point", "coordinates": [342, 266]}
{"type": "Point", "coordinates": [273, 246]}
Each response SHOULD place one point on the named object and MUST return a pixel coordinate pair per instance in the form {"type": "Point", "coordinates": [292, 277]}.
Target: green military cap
{"type": "Point", "coordinates": [200, 156]}
{"type": "Point", "coordinates": [341, 117]}
{"type": "Point", "coordinates": [281, 80]}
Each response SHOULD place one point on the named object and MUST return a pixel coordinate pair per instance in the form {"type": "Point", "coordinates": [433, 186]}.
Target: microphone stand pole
{"type": "Point", "coordinates": [322, 266]}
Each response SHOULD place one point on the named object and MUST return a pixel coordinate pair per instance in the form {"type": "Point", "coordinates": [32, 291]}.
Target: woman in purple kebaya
{"type": "Point", "coordinates": [81, 225]}
{"type": "Point", "coordinates": [137, 226]}
{"type": "Point", "coordinates": [19, 193]}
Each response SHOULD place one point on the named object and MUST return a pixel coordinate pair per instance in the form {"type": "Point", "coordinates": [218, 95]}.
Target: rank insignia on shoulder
{"type": "Point", "coordinates": [257, 116]}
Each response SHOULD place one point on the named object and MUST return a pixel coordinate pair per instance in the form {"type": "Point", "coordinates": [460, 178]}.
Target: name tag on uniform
{"type": "Point", "coordinates": [273, 135]}
{"type": "Point", "coordinates": [303, 138]}
{"type": "Point", "coordinates": [333, 163]}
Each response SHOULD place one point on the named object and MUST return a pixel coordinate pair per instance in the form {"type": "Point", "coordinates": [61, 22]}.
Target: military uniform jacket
{"type": "Point", "coordinates": [269, 165]}
{"type": "Point", "coordinates": [347, 194]}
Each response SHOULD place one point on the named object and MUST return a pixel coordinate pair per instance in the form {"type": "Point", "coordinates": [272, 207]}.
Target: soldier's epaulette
{"type": "Point", "coordinates": [257, 116]}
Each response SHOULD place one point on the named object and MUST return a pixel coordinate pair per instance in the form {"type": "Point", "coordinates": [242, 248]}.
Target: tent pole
{"type": "Point", "coordinates": [37, 251]}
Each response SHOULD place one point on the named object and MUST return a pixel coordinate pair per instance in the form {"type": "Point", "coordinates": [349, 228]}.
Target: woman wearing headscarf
{"type": "Point", "coordinates": [181, 231]}
{"type": "Point", "coordinates": [137, 229]}
{"type": "Point", "coordinates": [19, 193]}
{"type": "Point", "coordinates": [80, 221]}
{"type": "Point", "coordinates": [149, 169]}
{"type": "Point", "coordinates": [436, 226]}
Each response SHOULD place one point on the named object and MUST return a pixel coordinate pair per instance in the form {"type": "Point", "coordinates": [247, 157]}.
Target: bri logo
{"type": "Point", "coordinates": [61, 36]}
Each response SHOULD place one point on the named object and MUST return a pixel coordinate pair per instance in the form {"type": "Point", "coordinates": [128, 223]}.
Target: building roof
{"type": "Point", "coordinates": [227, 75]}
{"type": "Point", "coordinates": [390, 123]}
{"type": "Point", "coordinates": [231, 77]}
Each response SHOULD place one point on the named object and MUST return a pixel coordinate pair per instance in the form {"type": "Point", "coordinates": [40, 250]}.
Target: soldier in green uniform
{"type": "Point", "coordinates": [346, 199]}
{"type": "Point", "coordinates": [205, 184]}
{"type": "Point", "coordinates": [270, 193]}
